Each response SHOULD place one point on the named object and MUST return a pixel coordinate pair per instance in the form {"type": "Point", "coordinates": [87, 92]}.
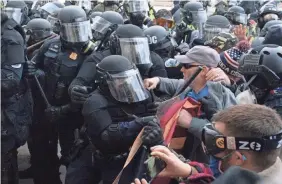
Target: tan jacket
{"type": "Point", "coordinates": [272, 175]}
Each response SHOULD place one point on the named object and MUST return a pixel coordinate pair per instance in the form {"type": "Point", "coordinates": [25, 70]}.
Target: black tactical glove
{"type": "Point", "coordinates": [152, 108]}
{"type": "Point", "coordinates": [53, 113]}
{"type": "Point", "coordinates": [209, 107]}
{"type": "Point", "coordinates": [144, 120]}
{"type": "Point", "coordinates": [29, 69]}
{"type": "Point", "coordinates": [79, 94]}
{"type": "Point", "coordinates": [183, 48]}
{"type": "Point", "coordinates": [152, 134]}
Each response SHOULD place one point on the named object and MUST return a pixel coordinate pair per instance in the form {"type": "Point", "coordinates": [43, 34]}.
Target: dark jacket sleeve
{"type": "Point", "coordinates": [87, 72]}
{"type": "Point", "coordinates": [102, 130]}
{"type": "Point", "coordinates": [158, 68]}
{"type": "Point", "coordinates": [12, 60]}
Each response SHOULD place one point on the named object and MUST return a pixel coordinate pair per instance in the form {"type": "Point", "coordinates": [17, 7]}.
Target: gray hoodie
{"type": "Point", "coordinates": [221, 95]}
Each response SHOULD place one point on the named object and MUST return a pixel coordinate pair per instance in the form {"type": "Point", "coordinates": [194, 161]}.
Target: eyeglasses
{"type": "Point", "coordinates": [188, 66]}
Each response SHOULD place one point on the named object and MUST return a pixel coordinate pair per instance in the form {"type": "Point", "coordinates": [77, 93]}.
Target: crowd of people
{"type": "Point", "coordinates": [98, 78]}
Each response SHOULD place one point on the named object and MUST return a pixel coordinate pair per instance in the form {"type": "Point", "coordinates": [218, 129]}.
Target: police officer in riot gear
{"type": "Point", "coordinates": [16, 102]}
{"type": "Point", "coordinates": [268, 26]}
{"type": "Point", "coordinates": [37, 30]}
{"type": "Point", "coordinates": [161, 44]}
{"type": "Point", "coordinates": [137, 12]}
{"type": "Point", "coordinates": [17, 10]}
{"type": "Point", "coordinates": [193, 18]}
{"type": "Point", "coordinates": [102, 24]}
{"type": "Point", "coordinates": [107, 6]}
{"type": "Point", "coordinates": [54, 21]}
{"type": "Point", "coordinates": [262, 67]}
{"type": "Point", "coordinates": [159, 41]}
{"type": "Point", "coordinates": [128, 40]}
{"type": "Point", "coordinates": [49, 9]}
{"type": "Point", "coordinates": [216, 24]}
{"type": "Point", "coordinates": [131, 42]}
{"type": "Point", "coordinates": [221, 8]}
{"type": "Point", "coordinates": [236, 15]}
{"type": "Point", "coordinates": [267, 13]}
{"type": "Point", "coordinates": [119, 108]}
{"type": "Point", "coordinates": [60, 59]}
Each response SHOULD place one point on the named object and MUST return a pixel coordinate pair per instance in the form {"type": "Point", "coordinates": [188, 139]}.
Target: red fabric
{"type": "Point", "coordinates": [169, 120]}
{"type": "Point", "coordinates": [204, 173]}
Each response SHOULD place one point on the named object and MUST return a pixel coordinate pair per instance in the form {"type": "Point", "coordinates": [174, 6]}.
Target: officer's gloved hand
{"type": "Point", "coordinates": [152, 108]}
{"type": "Point", "coordinates": [209, 107]}
{"type": "Point", "coordinates": [53, 113]}
{"type": "Point", "coordinates": [144, 120]}
{"type": "Point", "coordinates": [152, 134]}
{"type": "Point", "coordinates": [79, 94]}
{"type": "Point", "coordinates": [29, 69]}
{"type": "Point", "coordinates": [182, 48]}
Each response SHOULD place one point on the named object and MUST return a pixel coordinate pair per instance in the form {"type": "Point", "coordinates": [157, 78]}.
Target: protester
{"type": "Point", "coordinates": [229, 62]}
{"type": "Point", "coordinates": [213, 95]}
{"type": "Point", "coordinates": [238, 136]}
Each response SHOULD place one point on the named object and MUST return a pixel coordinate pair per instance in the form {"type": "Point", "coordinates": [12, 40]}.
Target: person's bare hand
{"type": "Point", "coordinates": [240, 32]}
{"type": "Point", "coordinates": [184, 119]}
{"type": "Point", "coordinates": [218, 75]}
{"type": "Point", "coordinates": [174, 166]}
{"type": "Point", "coordinates": [151, 83]}
{"type": "Point", "coordinates": [137, 181]}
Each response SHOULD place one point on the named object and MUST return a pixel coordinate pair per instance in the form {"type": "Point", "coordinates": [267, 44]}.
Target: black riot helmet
{"type": "Point", "coordinates": [258, 41]}
{"type": "Point", "coordinates": [38, 29]}
{"type": "Point", "coordinates": [108, 21]}
{"type": "Point", "coordinates": [267, 13]}
{"type": "Point", "coordinates": [158, 37]}
{"type": "Point", "coordinates": [221, 8]}
{"type": "Point", "coordinates": [16, 10]}
{"type": "Point", "coordinates": [182, 3]}
{"type": "Point", "coordinates": [94, 14]}
{"type": "Point", "coordinates": [262, 66]}
{"type": "Point", "coordinates": [177, 17]}
{"type": "Point", "coordinates": [54, 21]}
{"type": "Point", "coordinates": [236, 15]}
{"type": "Point", "coordinates": [194, 12]}
{"type": "Point", "coordinates": [75, 27]}
{"type": "Point", "coordinates": [268, 26]}
{"type": "Point", "coordinates": [129, 41]}
{"type": "Point", "coordinates": [110, 3]}
{"type": "Point", "coordinates": [122, 79]}
{"type": "Point", "coordinates": [138, 10]}
{"type": "Point", "coordinates": [214, 25]}
{"type": "Point", "coordinates": [49, 9]}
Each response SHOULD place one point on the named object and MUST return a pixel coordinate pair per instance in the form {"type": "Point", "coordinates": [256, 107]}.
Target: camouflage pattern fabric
{"type": "Point", "coordinates": [223, 41]}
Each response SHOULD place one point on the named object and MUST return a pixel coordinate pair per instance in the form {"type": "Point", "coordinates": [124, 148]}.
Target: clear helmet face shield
{"type": "Point", "coordinates": [13, 13]}
{"type": "Point", "coordinates": [211, 31]}
{"type": "Point", "coordinates": [137, 51]}
{"type": "Point", "coordinates": [50, 8]}
{"type": "Point", "coordinates": [99, 27]}
{"type": "Point", "coordinates": [199, 19]}
{"type": "Point", "coordinates": [241, 18]}
{"type": "Point", "coordinates": [76, 32]}
{"type": "Point", "coordinates": [138, 6]}
{"type": "Point", "coordinates": [127, 86]}
{"type": "Point", "coordinates": [38, 34]}
{"type": "Point", "coordinates": [54, 23]}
